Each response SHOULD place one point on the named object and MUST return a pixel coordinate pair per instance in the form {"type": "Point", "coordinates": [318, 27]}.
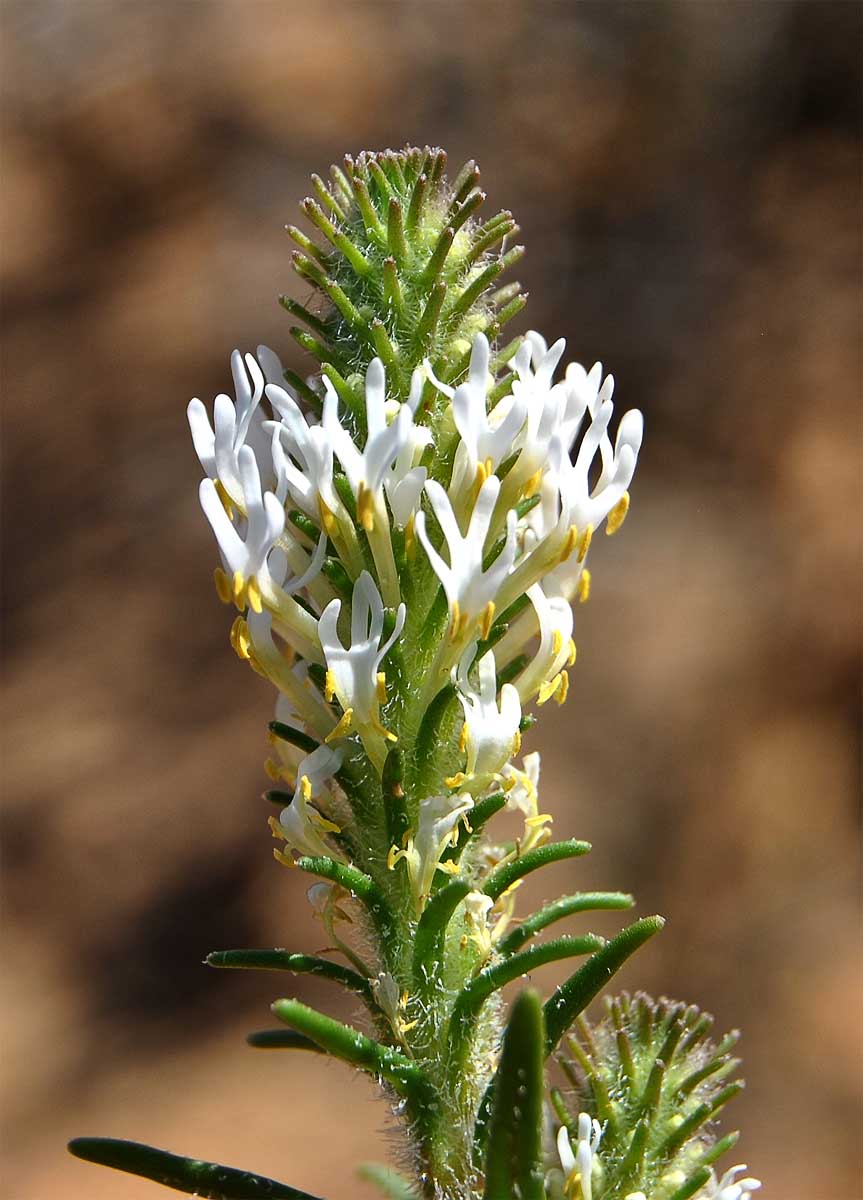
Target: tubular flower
{"type": "Point", "coordinates": [491, 728]}
{"type": "Point", "coordinates": [235, 424]}
{"type": "Point", "coordinates": [731, 1188]}
{"type": "Point", "coordinates": [353, 673]}
{"type": "Point", "coordinates": [439, 817]}
{"type": "Point", "coordinates": [546, 676]}
{"type": "Point", "coordinates": [578, 1168]}
{"type": "Point", "coordinates": [470, 590]}
{"type": "Point", "coordinates": [486, 437]}
{"type": "Point", "coordinates": [523, 796]}
{"type": "Point", "coordinates": [300, 824]}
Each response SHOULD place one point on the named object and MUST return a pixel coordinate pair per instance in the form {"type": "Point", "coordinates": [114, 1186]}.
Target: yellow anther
{"type": "Point", "coordinates": [253, 592]}
{"type": "Point", "coordinates": [483, 471]}
{"type": "Point", "coordinates": [617, 515]}
{"type": "Point", "coordinates": [508, 782]}
{"type": "Point", "coordinates": [532, 486]}
{"type": "Point", "coordinates": [381, 680]}
{"type": "Point", "coordinates": [410, 539]}
{"type": "Point", "coordinates": [516, 742]}
{"type": "Point", "coordinates": [237, 585]}
{"type": "Point", "coordinates": [329, 686]}
{"type": "Point", "coordinates": [366, 508]}
{"type": "Point", "coordinates": [285, 859]}
{"type": "Point", "coordinates": [563, 691]}
{"type": "Point", "coordinates": [227, 502]}
{"type": "Point", "coordinates": [328, 517]}
{"type": "Point", "coordinates": [323, 824]}
{"type": "Point", "coordinates": [340, 729]}
{"type": "Point", "coordinates": [583, 589]}
{"type": "Point", "coordinates": [584, 543]}
{"type": "Point", "coordinates": [383, 731]}
{"type": "Point", "coordinates": [306, 787]}
{"type": "Point", "coordinates": [487, 619]}
{"type": "Point", "coordinates": [449, 867]}
{"type": "Point", "coordinates": [276, 829]}
{"type": "Point", "coordinates": [539, 820]}
{"type": "Point", "coordinates": [454, 781]}
{"type": "Point", "coordinates": [393, 856]}
{"type": "Point", "coordinates": [557, 642]}
{"type": "Point", "coordinates": [570, 661]}
{"type": "Point", "coordinates": [513, 887]}
{"type": "Point", "coordinates": [569, 543]}
{"type": "Point", "coordinates": [223, 586]}
{"type": "Point", "coordinates": [273, 770]}
{"type": "Point", "coordinates": [549, 688]}
{"type": "Point", "coordinates": [462, 741]}
{"type": "Point", "coordinates": [240, 639]}
{"type": "Point", "coordinates": [455, 620]}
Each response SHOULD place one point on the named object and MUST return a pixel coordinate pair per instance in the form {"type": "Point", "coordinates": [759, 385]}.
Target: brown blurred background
{"type": "Point", "coordinates": [687, 176]}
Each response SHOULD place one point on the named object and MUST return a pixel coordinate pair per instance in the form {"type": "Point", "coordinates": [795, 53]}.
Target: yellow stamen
{"type": "Point", "coordinates": [617, 515]}
{"type": "Point", "coordinates": [455, 620]}
{"type": "Point", "coordinates": [276, 829]}
{"type": "Point", "coordinates": [223, 586]}
{"type": "Point", "coordinates": [569, 543]}
{"type": "Point", "coordinates": [563, 690]}
{"type": "Point", "coordinates": [532, 486]}
{"type": "Point", "coordinates": [454, 781]}
{"type": "Point", "coordinates": [240, 639]}
{"type": "Point", "coordinates": [322, 823]}
{"type": "Point", "coordinates": [306, 787]}
{"type": "Point", "coordinates": [381, 679]}
{"type": "Point", "coordinates": [285, 859]}
{"type": "Point", "coordinates": [570, 662]}
{"type": "Point", "coordinates": [273, 771]}
{"type": "Point", "coordinates": [549, 688]}
{"type": "Point", "coordinates": [341, 728]}
{"type": "Point", "coordinates": [584, 543]}
{"type": "Point", "coordinates": [516, 742]}
{"type": "Point", "coordinates": [508, 782]}
{"type": "Point", "coordinates": [383, 731]}
{"type": "Point", "coordinates": [227, 502]}
{"type": "Point", "coordinates": [539, 820]}
{"type": "Point", "coordinates": [237, 585]}
{"type": "Point", "coordinates": [328, 517]}
{"type": "Point", "coordinates": [583, 589]}
{"type": "Point", "coordinates": [329, 686]}
{"type": "Point", "coordinates": [487, 619]}
{"type": "Point", "coordinates": [557, 642]}
{"type": "Point", "coordinates": [449, 868]}
{"type": "Point", "coordinates": [393, 857]}
{"type": "Point", "coordinates": [462, 741]}
{"type": "Point", "coordinates": [410, 540]}
{"type": "Point", "coordinates": [366, 508]}
{"type": "Point", "coordinates": [253, 592]}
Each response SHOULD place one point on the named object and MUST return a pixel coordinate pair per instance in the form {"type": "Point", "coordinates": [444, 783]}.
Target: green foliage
{"type": "Point", "coordinates": [403, 270]}
{"type": "Point", "coordinates": [653, 1078]}
{"type": "Point", "coordinates": [189, 1175]}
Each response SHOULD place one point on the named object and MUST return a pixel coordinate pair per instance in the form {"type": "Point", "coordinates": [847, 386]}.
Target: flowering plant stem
{"type": "Point", "coordinates": [402, 534]}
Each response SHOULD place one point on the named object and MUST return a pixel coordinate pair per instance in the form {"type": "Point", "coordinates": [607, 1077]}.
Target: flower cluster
{"type": "Point", "coordinates": [319, 539]}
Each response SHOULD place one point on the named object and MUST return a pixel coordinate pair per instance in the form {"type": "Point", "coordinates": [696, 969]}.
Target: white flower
{"type": "Point", "coordinates": [392, 1002]}
{"type": "Point", "coordinates": [486, 438]}
{"type": "Point", "coordinates": [477, 906]}
{"type": "Point", "coordinates": [523, 795]}
{"type": "Point", "coordinates": [729, 1188]}
{"type": "Point", "coordinates": [578, 1167]}
{"type": "Point", "coordinates": [438, 818]}
{"type": "Point", "coordinates": [252, 639]}
{"type": "Point", "coordinates": [244, 554]}
{"type": "Point", "coordinates": [470, 590]}
{"type": "Point", "coordinates": [546, 676]}
{"type": "Point", "coordinates": [491, 731]}
{"type": "Point", "coordinates": [300, 824]}
{"type": "Point", "coordinates": [302, 454]}
{"type": "Point", "coordinates": [353, 673]}
{"type": "Point", "coordinates": [377, 465]}
{"type": "Point", "coordinates": [234, 424]}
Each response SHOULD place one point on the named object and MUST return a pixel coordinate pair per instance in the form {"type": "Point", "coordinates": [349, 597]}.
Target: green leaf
{"type": "Point", "coordinates": [573, 996]}
{"type": "Point", "coordinates": [282, 1039]}
{"type": "Point", "coordinates": [391, 1183]}
{"type": "Point", "coordinates": [504, 877]}
{"type": "Point", "coordinates": [190, 1175]}
{"type": "Point", "coordinates": [564, 907]}
{"type": "Point", "coordinates": [514, 1164]}
{"type": "Point", "coordinates": [348, 1044]}
{"type": "Point", "coordinates": [430, 931]}
{"type": "Point", "coordinates": [297, 964]}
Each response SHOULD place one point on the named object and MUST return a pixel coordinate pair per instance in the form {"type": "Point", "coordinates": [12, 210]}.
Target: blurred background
{"type": "Point", "coordinates": [687, 178]}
